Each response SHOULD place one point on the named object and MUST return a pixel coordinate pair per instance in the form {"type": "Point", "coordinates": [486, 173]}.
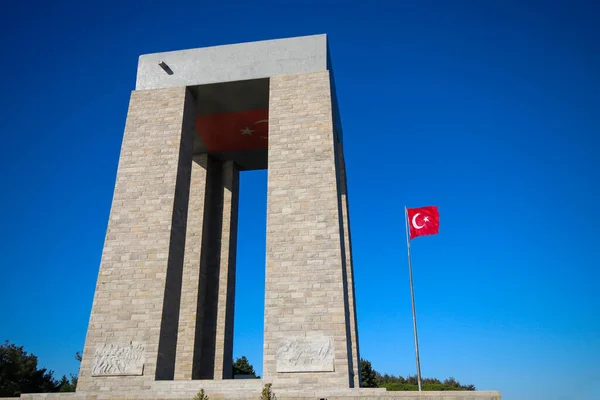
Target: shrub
{"type": "Point", "coordinates": [267, 393]}
{"type": "Point", "coordinates": [201, 395]}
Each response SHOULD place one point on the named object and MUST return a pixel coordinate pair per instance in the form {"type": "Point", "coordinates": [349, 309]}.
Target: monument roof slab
{"type": "Point", "coordinates": [233, 62]}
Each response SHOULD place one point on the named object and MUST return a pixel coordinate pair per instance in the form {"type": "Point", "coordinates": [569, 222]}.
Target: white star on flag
{"type": "Point", "coordinates": [246, 131]}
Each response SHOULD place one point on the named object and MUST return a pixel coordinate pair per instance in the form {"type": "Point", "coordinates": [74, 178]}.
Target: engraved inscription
{"type": "Point", "coordinates": [112, 359]}
{"type": "Point", "coordinates": [305, 354]}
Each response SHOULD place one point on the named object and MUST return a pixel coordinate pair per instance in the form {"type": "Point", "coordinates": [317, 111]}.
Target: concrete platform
{"type": "Point", "coordinates": [254, 394]}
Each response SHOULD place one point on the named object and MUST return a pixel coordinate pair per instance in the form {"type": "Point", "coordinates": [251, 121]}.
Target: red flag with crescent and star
{"type": "Point", "coordinates": [423, 221]}
{"type": "Point", "coordinates": [234, 131]}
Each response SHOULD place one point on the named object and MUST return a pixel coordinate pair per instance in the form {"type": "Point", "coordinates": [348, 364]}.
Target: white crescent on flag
{"type": "Point", "coordinates": [414, 221]}
{"type": "Point", "coordinates": [265, 121]}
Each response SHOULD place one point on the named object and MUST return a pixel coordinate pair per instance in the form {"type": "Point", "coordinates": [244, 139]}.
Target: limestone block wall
{"type": "Point", "coordinates": [306, 298]}
{"type": "Point", "coordinates": [137, 292]}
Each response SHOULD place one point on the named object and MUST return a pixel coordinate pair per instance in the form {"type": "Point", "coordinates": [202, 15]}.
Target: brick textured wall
{"type": "Point", "coordinates": [140, 246]}
{"type": "Point", "coordinates": [305, 290]}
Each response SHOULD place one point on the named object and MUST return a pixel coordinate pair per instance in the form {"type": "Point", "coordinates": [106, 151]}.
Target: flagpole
{"type": "Point", "coordinates": [412, 297]}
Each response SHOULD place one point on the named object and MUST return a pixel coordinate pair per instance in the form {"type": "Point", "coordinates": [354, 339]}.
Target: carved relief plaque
{"type": "Point", "coordinates": [305, 354]}
{"type": "Point", "coordinates": [112, 359]}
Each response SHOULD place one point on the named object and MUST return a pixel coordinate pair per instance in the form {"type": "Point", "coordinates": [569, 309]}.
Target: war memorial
{"type": "Point", "coordinates": [161, 325]}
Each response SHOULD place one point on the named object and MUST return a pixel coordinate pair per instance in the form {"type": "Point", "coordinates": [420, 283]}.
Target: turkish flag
{"type": "Point", "coordinates": [234, 131]}
{"type": "Point", "coordinates": [423, 221]}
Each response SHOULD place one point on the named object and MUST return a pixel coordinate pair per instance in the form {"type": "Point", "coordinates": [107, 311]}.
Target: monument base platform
{"type": "Point", "coordinates": [250, 389]}
{"type": "Point", "coordinates": [444, 395]}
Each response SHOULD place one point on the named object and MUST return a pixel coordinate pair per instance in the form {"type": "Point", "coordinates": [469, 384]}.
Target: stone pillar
{"type": "Point", "coordinates": [205, 340]}
{"type": "Point", "coordinates": [190, 313]}
{"type": "Point", "coordinates": [226, 294]}
{"type": "Point", "coordinates": [214, 340]}
{"type": "Point", "coordinates": [136, 303]}
{"type": "Point", "coordinates": [351, 318]}
{"type": "Point", "coordinates": [306, 343]}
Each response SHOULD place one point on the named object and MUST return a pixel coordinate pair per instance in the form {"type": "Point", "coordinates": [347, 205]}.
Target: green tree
{"type": "Point", "coordinates": [242, 366]}
{"type": "Point", "coordinates": [372, 378]}
{"type": "Point", "coordinates": [19, 373]}
{"type": "Point", "coordinates": [67, 385]}
{"type": "Point", "coordinates": [368, 376]}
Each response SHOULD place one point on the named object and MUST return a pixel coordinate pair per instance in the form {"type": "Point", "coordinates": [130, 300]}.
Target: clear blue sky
{"type": "Point", "coordinates": [489, 110]}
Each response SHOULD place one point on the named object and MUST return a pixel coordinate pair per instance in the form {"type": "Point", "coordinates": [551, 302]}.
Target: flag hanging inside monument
{"type": "Point", "coordinates": [419, 222]}
{"type": "Point", "coordinates": [234, 131]}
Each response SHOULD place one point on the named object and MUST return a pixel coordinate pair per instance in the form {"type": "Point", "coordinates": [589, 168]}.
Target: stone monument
{"type": "Point", "coordinates": [162, 317]}
{"type": "Point", "coordinates": [163, 308]}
